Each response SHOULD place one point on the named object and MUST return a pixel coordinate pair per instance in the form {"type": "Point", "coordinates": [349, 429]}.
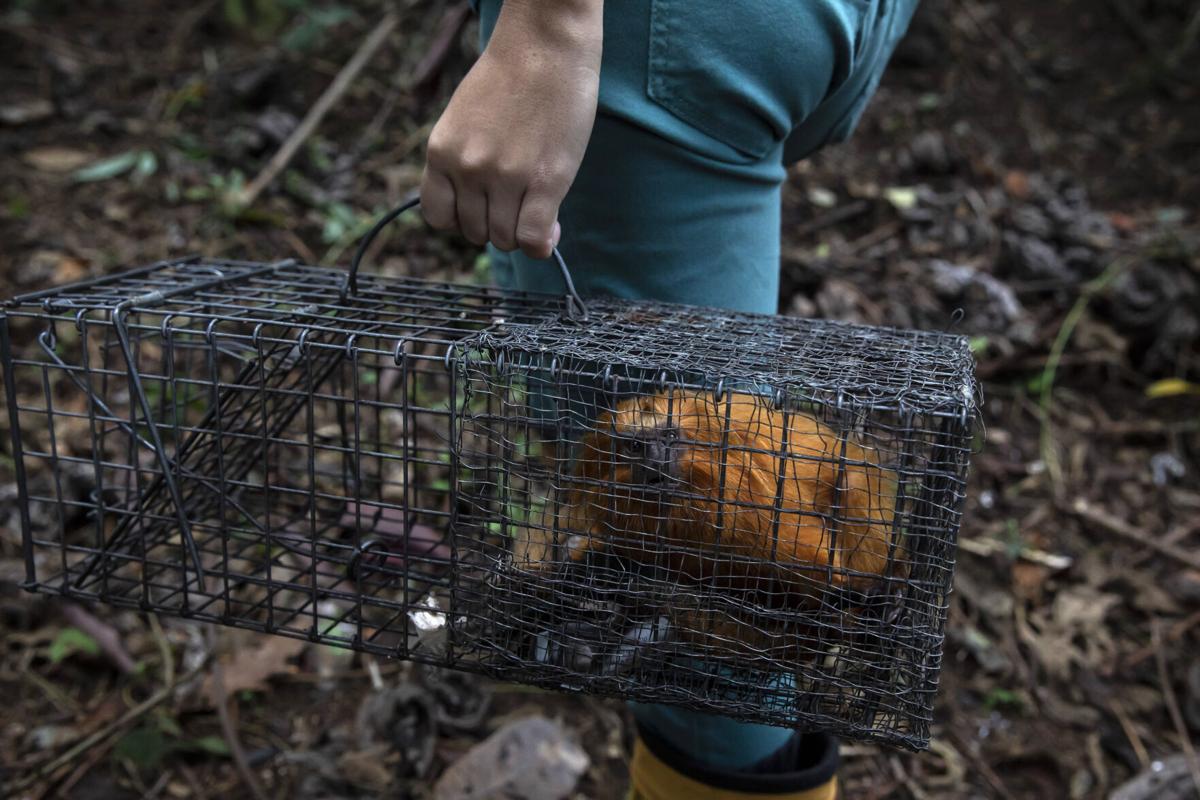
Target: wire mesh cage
{"type": "Point", "coordinates": [748, 515]}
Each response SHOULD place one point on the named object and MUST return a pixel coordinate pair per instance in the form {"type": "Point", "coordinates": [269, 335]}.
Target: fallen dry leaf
{"type": "Point", "coordinates": [532, 758]}
{"type": "Point", "coordinates": [368, 769]}
{"type": "Point", "coordinates": [1165, 779]}
{"type": "Point", "coordinates": [1071, 631]}
{"type": "Point", "coordinates": [22, 112]}
{"type": "Point", "coordinates": [56, 159]}
{"type": "Point", "coordinates": [249, 669]}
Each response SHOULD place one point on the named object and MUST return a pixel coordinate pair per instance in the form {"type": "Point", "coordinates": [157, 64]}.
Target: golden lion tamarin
{"type": "Point", "coordinates": [720, 493]}
{"type": "Point", "coordinates": [764, 523]}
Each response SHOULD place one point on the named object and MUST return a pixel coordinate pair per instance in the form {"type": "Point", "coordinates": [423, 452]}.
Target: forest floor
{"type": "Point", "coordinates": [1036, 165]}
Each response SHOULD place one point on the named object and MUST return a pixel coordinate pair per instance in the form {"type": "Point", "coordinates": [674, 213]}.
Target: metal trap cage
{"type": "Point", "coordinates": [748, 515]}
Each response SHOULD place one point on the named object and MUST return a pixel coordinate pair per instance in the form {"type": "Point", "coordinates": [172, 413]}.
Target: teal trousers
{"type": "Point", "coordinates": [702, 104]}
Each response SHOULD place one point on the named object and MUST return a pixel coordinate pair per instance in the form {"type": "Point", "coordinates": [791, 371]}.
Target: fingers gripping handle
{"type": "Point", "coordinates": [576, 309]}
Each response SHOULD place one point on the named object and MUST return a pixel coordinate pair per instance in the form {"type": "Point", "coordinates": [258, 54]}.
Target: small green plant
{"type": "Point", "coordinates": [298, 25]}
{"type": "Point", "coordinates": [312, 27]}
{"type": "Point", "coordinates": [70, 641]}
{"type": "Point", "coordinates": [141, 163]}
{"type": "Point", "coordinates": [1001, 699]}
{"type": "Point", "coordinates": [261, 19]}
{"type": "Point", "coordinates": [148, 745]}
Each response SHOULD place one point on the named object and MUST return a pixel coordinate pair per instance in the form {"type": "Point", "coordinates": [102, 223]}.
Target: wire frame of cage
{"type": "Point", "coordinates": [398, 469]}
{"type": "Point", "coordinates": [789, 563]}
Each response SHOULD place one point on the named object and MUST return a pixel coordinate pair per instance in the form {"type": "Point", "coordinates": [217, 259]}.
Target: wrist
{"type": "Point", "coordinates": [573, 25]}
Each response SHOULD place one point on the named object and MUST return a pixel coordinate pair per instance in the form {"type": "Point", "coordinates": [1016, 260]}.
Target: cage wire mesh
{"type": "Point", "coordinates": [748, 515]}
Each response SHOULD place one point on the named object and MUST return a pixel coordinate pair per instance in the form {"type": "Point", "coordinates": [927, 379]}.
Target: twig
{"type": "Point", "coordinates": [990, 547]}
{"type": "Point", "coordinates": [192, 782]}
{"type": "Point", "coordinates": [983, 767]}
{"type": "Point", "coordinates": [430, 67]}
{"type": "Point", "coordinates": [989, 30]}
{"type": "Point", "coordinates": [132, 715]}
{"type": "Point", "coordinates": [373, 671]}
{"type": "Point", "coordinates": [1120, 527]}
{"type": "Point", "coordinates": [1181, 728]}
{"type": "Point", "coordinates": [1135, 27]}
{"type": "Point", "coordinates": [1173, 536]}
{"type": "Point", "coordinates": [221, 700]}
{"type": "Point", "coordinates": [160, 784]}
{"type": "Point", "coordinates": [1065, 331]}
{"type": "Point", "coordinates": [61, 47]}
{"type": "Point", "coordinates": [1099, 763]}
{"type": "Point", "coordinates": [906, 780]}
{"type": "Point", "coordinates": [875, 237]}
{"type": "Point", "coordinates": [182, 30]}
{"type": "Point", "coordinates": [832, 217]}
{"type": "Point", "coordinates": [1135, 739]}
{"type": "Point", "coordinates": [55, 694]}
{"type": "Point", "coordinates": [85, 766]}
{"type": "Point", "coordinates": [302, 250]}
{"type": "Point", "coordinates": [326, 101]}
{"type": "Point", "coordinates": [104, 634]}
{"type": "Point", "coordinates": [164, 650]}
{"type": "Point", "coordinates": [1191, 33]}
{"type": "Point", "coordinates": [1175, 632]}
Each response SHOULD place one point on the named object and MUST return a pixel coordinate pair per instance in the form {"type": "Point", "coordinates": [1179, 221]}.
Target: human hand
{"type": "Point", "coordinates": [507, 148]}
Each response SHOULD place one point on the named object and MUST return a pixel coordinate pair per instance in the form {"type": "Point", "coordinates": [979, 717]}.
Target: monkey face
{"type": "Point", "coordinates": [645, 446]}
{"type": "Point", "coordinates": [650, 457]}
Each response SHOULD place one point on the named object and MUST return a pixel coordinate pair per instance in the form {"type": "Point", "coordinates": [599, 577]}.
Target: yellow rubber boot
{"type": "Point", "coordinates": [805, 769]}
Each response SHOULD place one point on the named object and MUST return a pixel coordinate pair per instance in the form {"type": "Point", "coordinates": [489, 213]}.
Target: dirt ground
{"type": "Point", "coordinates": [1029, 175]}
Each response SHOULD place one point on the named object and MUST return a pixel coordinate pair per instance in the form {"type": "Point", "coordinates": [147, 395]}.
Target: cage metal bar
{"type": "Point", "coordinates": [438, 519]}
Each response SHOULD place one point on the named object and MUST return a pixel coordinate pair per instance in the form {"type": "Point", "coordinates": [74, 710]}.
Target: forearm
{"type": "Point", "coordinates": [556, 23]}
{"type": "Point", "coordinates": [507, 148]}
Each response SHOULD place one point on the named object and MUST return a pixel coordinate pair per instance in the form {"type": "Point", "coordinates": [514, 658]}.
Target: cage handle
{"type": "Point", "coordinates": [576, 309]}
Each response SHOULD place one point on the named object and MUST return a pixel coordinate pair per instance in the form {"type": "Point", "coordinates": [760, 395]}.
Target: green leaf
{"type": "Point", "coordinates": [1003, 698]}
{"type": "Point", "coordinates": [1171, 387]}
{"type": "Point", "coordinates": [311, 30]}
{"type": "Point", "coordinates": [107, 168]}
{"type": "Point", "coordinates": [147, 165]}
{"type": "Point", "coordinates": [197, 194]}
{"type": "Point", "coordinates": [192, 146]}
{"type": "Point", "coordinates": [483, 269]}
{"type": "Point", "coordinates": [168, 725]}
{"type": "Point", "coordinates": [70, 641]}
{"type": "Point", "coordinates": [902, 198]}
{"type": "Point", "coordinates": [146, 747]}
{"type": "Point", "coordinates": [18, 207]}
{"type": "Point", "coordinates": [978, 344]}
{"type": "Point", "coordinates": [1172, 215]}
{"type": "Point", "coordinates": [235, 13]}
{"type": "Point", "coordinates": [214, 745]}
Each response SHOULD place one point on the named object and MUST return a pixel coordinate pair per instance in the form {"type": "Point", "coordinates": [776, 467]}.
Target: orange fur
{"type": "Point", "coordinates": [833, 526]}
